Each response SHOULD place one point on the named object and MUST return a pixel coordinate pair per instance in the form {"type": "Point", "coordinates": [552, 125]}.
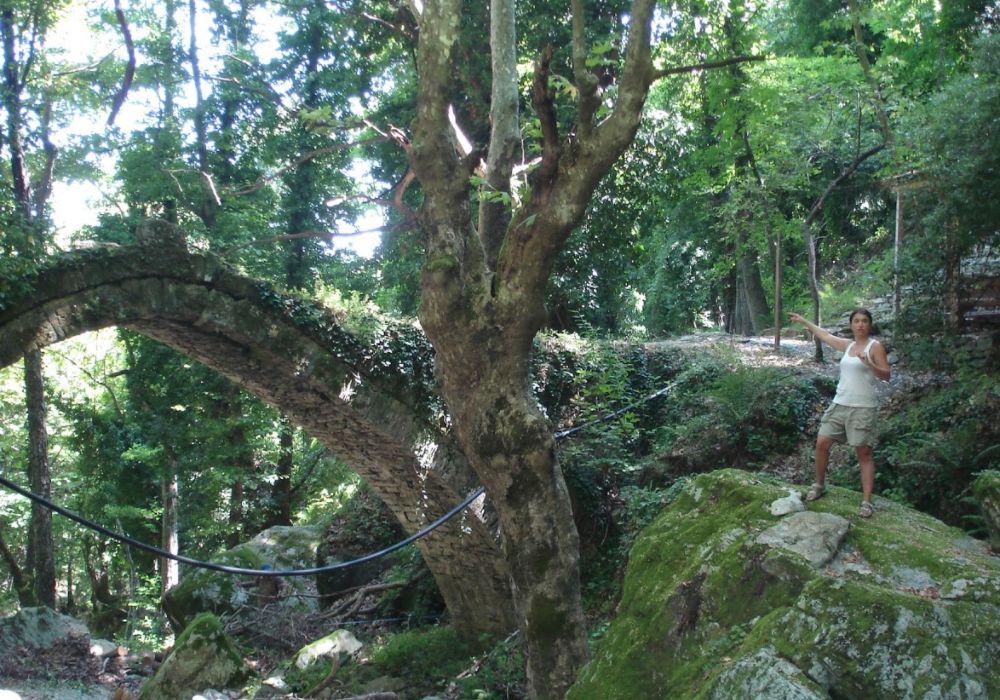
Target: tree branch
{"type": "Point", "coordinates": [330, 235]}
{"type": "Point", "coordinates": [43, 185]}
{"type": "Point", "coordinates": [119, 99]}
{"type": "Point", "coordinates": [541, 100]}
{"type": "Point", "coordinates": [264, 179]}
{"type": "Point", "coordinates": [707, 65]}
{"type": "Point", "coordinates": [494, 213]}
{"type": "Point", "coordinates": [588, 99]}
{"type": "Point", "coordinates": [846, 173]}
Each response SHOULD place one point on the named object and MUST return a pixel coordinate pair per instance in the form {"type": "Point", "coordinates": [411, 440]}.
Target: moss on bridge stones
{"type": "Point", "coordinates": [907, 607]}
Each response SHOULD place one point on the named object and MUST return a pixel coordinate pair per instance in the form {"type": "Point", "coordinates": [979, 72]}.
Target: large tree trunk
{"type": "Point", "coordinates": [756, 298]}
{"type": "Point", "coordinates": [29, 208]}
{"type": "Point", "coordinates": [482, 300]}
{"type": "Point", "coordinates": [510, 444]}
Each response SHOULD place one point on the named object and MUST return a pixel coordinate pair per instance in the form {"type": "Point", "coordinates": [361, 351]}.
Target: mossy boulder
{"type": "Point", "coordinates": [277, 548]}
{"type": "Point", "coordinates": [986, 489]}
{"type": "Point", "coordinates": [39, 628]}
{"type": "Point", "coordinates": [203, 658]}
{"type": "Point", "coordinates": [724, 600]}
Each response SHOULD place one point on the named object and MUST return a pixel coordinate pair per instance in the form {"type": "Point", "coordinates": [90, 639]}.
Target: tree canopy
{"type": "Point", "coordinates": [612, 169]}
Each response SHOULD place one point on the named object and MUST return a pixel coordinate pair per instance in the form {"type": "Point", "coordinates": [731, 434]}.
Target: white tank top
{"type": "Point", "coordinates": [857, 380]}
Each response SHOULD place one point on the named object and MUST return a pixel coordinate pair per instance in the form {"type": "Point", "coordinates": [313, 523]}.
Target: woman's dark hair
{"type": "Point", "coordinates": [860, 310]}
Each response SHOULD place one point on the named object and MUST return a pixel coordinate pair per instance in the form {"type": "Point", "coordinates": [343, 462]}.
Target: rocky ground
{"type": "Point", "coordinates": [68, 671]}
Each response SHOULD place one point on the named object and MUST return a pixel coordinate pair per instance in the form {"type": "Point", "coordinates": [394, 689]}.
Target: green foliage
{"type": "Point", "coordinates": [743, 417]}
{"type": "Point", "coordinates": [499, 674]}
{"type": "Point", "coordinates": [423, 661]}
{"type": "Point", "coordinates": [953, 148]}
{"type": "Point", "coordinates": [930, 451]}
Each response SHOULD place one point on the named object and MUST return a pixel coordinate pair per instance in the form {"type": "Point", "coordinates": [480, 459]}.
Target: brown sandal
{"type": "Point", "coordinates": [815, 492]}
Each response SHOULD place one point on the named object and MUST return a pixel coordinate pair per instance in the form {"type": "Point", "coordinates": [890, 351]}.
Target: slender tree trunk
{"type": "Point", "coordinates": [41, 557]}
{"type": "Point", "coordinates": [810, 242]}
{"type": "Point", "coordinates": [282, 489]}
{"type": "Point", "coordinates": [954, 318]}
{"type": "Point", "coordinates": [897, 293]}
{"type": "Point", "coordinates": [778, 271]}
{"type": "Point", "coordinates": [236, 523]}
{"type": "Point", "coordinates": [28, 207]}
{"type": "Point", "coordinates": [170, 540]}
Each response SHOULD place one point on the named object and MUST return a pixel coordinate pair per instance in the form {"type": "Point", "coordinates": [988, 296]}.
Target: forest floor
{"type": "Point", "coordinates": [67, 671]}
{"type": "Point", "coordinates": [72, 674]}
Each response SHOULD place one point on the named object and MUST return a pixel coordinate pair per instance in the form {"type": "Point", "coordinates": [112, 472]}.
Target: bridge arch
{"type": "Point", "coordinates": [296, 356]}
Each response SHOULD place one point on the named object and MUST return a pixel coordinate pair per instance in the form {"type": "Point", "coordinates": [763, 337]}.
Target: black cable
{"type": "Point", "coordinates": [125, 539]}
{"type": "Point", "coordinates": [236, 569]}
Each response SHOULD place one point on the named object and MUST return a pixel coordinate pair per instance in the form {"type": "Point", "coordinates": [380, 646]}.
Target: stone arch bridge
{"type": "Point", "coordinates": [363, 401]}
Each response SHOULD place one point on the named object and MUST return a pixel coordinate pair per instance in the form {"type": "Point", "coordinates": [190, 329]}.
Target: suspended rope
{"type": "Point", "coordinates": [125, 539]}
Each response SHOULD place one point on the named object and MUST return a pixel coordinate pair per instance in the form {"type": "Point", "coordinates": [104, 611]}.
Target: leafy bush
{"type": "Point", "coordinates": [499, 674]}
{"type": "Point", "coordinates": [745, 417]}
{"type": "Point", "coordinates": [425, 659]}
{"type": "Point", "coordinates": [932, 448]}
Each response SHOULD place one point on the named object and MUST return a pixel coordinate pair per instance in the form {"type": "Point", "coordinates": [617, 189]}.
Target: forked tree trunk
{"type": "Point", "coordinates": [483, 289]}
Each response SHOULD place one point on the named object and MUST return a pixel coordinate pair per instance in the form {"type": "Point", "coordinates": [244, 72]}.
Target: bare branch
{"type": "Point", "coordinates": [400, 190]}
{"type": "Point", "coordinates": [264, 179]}
{"type": "Point", "coordinates": [707, 65]}
{"type": "Point", "coordinates": [129, 68]}
{"type": "Point", "coordinates": [210, 186]}
{"type": "Point", "coordinates": [328, 235]}
{"type": "Point", "coordinates": [846, 173]}
{"type": "Point", "coordinates": [400, 29]}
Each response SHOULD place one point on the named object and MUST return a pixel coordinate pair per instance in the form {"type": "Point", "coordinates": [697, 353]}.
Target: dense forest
{"type": "Point", "coordinates": [288, 246]}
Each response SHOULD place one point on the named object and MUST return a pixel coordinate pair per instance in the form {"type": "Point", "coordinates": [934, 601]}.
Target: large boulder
{"type": "Point", "coordinates": [38, 628]}
{"type": "Point", "coordinates": [277, 548]}
{"type": "Point", "coordinates": [724, 600]}
{"type": "Point", "coordinates": [202, 658]}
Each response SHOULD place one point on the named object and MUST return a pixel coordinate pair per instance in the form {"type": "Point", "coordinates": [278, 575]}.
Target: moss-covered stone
{"type": "Point", "coordinates": [202, 658]}
{"type": "Point", "coordinates": [906, 608]}
{"type": "Point", "coordinates": [279, 548]}
{"type": "Point", "coordinates": [38, 627]}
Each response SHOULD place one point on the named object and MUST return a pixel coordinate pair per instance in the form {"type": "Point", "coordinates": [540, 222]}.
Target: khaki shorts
{"type": "Point", "coordinates": [855, 425]}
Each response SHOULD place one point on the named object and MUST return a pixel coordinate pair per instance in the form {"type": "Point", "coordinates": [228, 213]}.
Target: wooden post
{"type": "Point", "coordinates": [897, 285]}
{"type": "Point", "coordinates": [777, 289]}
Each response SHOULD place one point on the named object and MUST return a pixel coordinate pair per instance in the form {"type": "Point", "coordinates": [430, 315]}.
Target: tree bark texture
{"type": "Point", "coordinates": [169, 538]}
{"type": "Point", "coordinates": [22, 582]}
{"type": "Point", "coordinates": [41, 558]}
{"type": "Point", "coordinates": [482, 303]}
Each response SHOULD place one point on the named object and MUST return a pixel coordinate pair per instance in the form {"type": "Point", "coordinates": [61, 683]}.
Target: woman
{"type": "Point", "coordinates": [852, 416]}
